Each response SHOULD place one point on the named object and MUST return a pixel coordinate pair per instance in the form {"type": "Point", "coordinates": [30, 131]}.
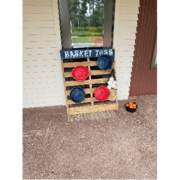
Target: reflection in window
{"type": "Point", "coordinates": [157, 58]}
{"type": "Point", "coordinates": [86, 23]}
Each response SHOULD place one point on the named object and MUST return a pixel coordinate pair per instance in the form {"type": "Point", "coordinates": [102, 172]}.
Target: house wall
{"type": "Point", "coordinates": [125, 28]}
{"type": "Point", "coordinates": [144, 78]}
{"type": "Point", "coordinates": [42, 74]}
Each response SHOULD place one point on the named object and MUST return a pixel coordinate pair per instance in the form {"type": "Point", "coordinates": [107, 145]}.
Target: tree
{"type": "Point", "coordinates": [78, 11]}
{"type": "Point", "coordinates": [74, 10]}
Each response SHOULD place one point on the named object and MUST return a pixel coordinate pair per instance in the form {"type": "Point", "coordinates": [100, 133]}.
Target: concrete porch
{"type": "Point", "coordinates": [122, 147]}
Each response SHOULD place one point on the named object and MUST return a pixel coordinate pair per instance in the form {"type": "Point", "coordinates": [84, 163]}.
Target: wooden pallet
{"type": "Point", "coordinates": [90, 103]}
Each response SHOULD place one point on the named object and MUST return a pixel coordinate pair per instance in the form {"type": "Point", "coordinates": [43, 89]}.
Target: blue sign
{"type": "Point", "coordinates": [86, 53]}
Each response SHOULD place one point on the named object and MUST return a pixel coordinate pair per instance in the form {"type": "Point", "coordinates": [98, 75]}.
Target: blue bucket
{"type": "Point", "coordinates": [105, 62]}
{"type": "Point", "coordinates": [77, 94]}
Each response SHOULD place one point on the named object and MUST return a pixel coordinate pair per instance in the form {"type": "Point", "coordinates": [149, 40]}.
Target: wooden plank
{"type": "Point", "coordinates": [128, 23]}
{"type": "Point", "coordinates": [32, 37]}
{"type": "Point", "coordinates": [90, 86]}
{"type": "Point", "coordinates": [89, 91]}
{"type": "Point", "coordinates": [37, 2]}
{"type": "Point", "coordinates": [97, 72]}
{"type": "Point", "coordinates": [70, 65]}
{"type": "Point", "coordinates": [68, 74]}
{"type": "Point", "coordinates": [86, 53]}
{"type": "Point", "coordinates": [37, 24]}
{"type": "Point", "coordinates": [100, 72]}
{"type": "Point", "coordinates": [129, 10]}
{"type": "Point", "coordinates": [37, 9]}
{"type": "Point", "coordinates": [93, 99]}
{"type": "Point", "coordinates": [38, 17]}
{"type": "Point", "coordinates": [86, 82]}
{"type": "Point", "coordinates": [128, 17]}
{"type": "Point", "coordinates": [90, 109]}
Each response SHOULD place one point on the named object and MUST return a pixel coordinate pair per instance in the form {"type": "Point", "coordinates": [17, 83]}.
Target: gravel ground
{"type": "Point", "coordinates": [122, 147]}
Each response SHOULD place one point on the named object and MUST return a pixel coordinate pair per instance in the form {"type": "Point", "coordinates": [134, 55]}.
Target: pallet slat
{"type": "Point", "coordinates": [86, 82]}
{"type": "Point", "coordinates": [89, 109]}
{"type": "Point", "coordinates": [93, 99]}
{"type": "Point", "coordinates": [98, 72]}
{"type": "Point", "coordinates": [88, 91]}
{"type": "Point", "coordinates": [71, 65]}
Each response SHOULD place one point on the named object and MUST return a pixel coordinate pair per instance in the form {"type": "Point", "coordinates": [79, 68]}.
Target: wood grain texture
{"type": "Point", "coordinates": [70, 65]}
{"type": "Point", "coordinates": [97, 72]}
{"type": "Point", "coordinates": [86, 82]}
{"type": "Point", "coordinates": [90, 109]}
{"type": "Point", "coordinates": [93, 99]}
{"type": "Point", "coordinates": [89, 91]}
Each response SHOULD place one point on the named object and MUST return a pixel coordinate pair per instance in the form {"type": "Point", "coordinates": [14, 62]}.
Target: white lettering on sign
{"type": "Point", "coordinates": [101, 52]}
{"type": "Point", "coordinates": [90, 52]}
{"type": "Point", "coordinates": [97, 52]}
{"type": "Point", "coordinates": [66, 54]}
{"type": "Point", "coordinates": [76, 53]}
{"type": "Point", "coordinates": [71, 54]}
{"type": "Point", "coordinates": [110, 52]}
{"type": "Point", "coordinates": [86, 53]}
{"type": "Point", "coordinates": [105, 52]}
{"type": "Point", "coordinates": [81, 53]}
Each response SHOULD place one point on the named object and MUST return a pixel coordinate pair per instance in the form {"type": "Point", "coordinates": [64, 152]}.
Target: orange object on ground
{"type": "Point", "coordinates": [127, 105]}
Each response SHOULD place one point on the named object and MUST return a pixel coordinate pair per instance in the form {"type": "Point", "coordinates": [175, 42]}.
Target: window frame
{"type": "Point", "coordinates": [108, 25]}
{"type": "Point", "coordinates": [154, 58]}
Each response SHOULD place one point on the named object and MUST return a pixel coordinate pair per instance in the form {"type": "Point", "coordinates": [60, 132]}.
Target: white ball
{"type": "Point", "coordinates": [109, 87]}
{"type": "Point", "coordinates": [114, 86]}
{"type": "Point", "coordinates": [111, 78]}
{"type": "Point", "coordinates": [110, 83]}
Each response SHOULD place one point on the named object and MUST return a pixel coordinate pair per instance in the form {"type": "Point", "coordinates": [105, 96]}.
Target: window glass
{"type": "Point", "coordinates": [86, 22]}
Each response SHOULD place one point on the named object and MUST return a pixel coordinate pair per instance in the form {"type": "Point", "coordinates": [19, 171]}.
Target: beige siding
{"type": "Point", "coordinates": [126, 16]}
{"type": "Point", "coordinates": [42, 74]}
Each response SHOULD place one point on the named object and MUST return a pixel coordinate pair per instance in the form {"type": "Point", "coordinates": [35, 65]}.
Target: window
{"type": "Point", "coordinates": [154, 60]}
{"type": "Point", "coordinates": [86, 23]}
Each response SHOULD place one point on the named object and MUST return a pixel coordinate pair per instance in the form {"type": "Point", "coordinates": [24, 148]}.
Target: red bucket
{"type": "Point", "coordinates": [101, 93]}
{"type": "Point", "coordinates": [80, 73]}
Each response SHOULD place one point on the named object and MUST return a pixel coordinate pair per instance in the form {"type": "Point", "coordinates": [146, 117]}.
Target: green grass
{"type": "Point", "coordinates": [85, 39]}
{"type": "Point", "coordinates": [85, 33]}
